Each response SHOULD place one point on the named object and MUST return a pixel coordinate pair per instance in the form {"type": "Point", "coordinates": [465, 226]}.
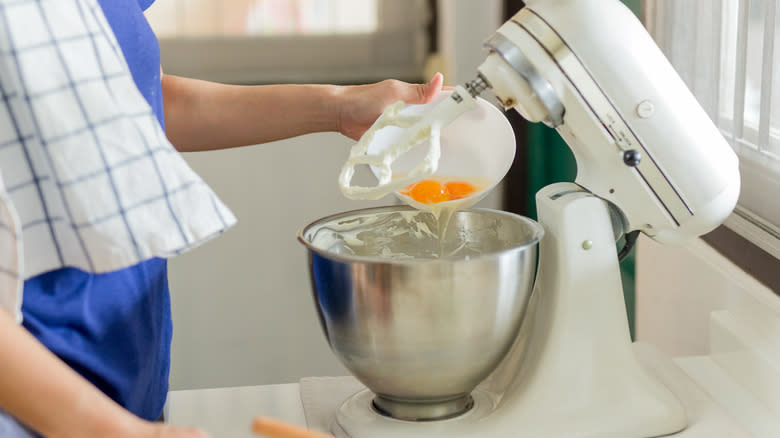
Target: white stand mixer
{"type": "Point", "coordinates": [650, 160]}
{"type": "Point", "coordinates": [578, 375]}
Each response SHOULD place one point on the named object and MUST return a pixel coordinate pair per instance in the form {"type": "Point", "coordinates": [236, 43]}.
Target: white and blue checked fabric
{"type": "Point", "coordinates": [89, 179]}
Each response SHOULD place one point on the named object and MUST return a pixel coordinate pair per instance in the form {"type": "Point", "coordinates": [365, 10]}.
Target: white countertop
{"type": "Point", "coordinates": [228, 412]}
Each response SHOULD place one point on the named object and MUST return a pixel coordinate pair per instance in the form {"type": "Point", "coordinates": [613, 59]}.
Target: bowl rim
{"type": "Point", "coordinates": [534, 241]}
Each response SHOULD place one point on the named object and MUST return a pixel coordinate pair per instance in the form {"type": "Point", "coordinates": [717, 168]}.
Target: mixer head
{"type": "Point", "coordinates": [641, 140]}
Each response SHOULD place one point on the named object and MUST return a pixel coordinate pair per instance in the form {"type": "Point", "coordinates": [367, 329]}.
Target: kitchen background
{"type": "Point", "coordinates": [243, 313]}
{"type": "Point", "coordinates": [242, 309]}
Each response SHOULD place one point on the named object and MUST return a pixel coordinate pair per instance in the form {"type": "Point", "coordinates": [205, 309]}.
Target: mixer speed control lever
{"type": "Point", "coordinates": [632, 157]}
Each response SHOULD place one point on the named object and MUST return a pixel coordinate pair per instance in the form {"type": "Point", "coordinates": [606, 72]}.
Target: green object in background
{"type": "Point", "coordinates": [635, 6]}
{"type": "Point", "coordinates": [549, 161]}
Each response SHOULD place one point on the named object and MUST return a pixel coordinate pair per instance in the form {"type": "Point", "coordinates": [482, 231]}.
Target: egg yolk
{"type": "Point", "coordinates": [431, 192]}
{"type": "Point", "coordinates": [427, 192]}
{"type": "Point", "coordinates": [459, 189]}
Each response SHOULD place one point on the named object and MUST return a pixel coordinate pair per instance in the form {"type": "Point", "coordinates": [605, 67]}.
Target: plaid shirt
{"type": "Point", "coordinates": [87, 177]}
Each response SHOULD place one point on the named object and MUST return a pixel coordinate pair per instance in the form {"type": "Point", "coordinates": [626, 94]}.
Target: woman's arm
{"type": "Point", "coordinates": [40, 390]}
{"type": "Point", "coordinates": [202, 115]}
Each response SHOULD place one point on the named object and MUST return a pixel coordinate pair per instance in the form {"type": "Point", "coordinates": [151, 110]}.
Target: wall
{"type": "Point", "coordinates": [719, 324]}
{"type": "Point", "coordinates": [464, 25]}
{"type": "Point", "coordinates": [679, 287]}
{"type": "Point", "coordinates": [242, 309]}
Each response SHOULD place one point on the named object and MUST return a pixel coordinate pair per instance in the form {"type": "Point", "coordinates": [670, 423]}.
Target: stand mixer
{"type": "Point", "coordinates": [649, 160]}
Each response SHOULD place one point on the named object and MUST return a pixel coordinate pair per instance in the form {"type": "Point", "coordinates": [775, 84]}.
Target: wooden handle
{"type": "Point", "coordinates": [279, 429]}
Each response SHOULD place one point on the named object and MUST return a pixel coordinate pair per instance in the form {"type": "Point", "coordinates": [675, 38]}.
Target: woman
{"type": "Point", "coordinates": [95, 198]}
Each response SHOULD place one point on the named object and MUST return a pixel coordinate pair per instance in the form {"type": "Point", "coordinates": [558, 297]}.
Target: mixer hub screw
{"type": "Point", "coordinates": [478, 85]}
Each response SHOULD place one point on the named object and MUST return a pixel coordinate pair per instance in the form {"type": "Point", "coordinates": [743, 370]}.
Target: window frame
{"type": "Point", "coordinates": [398, 49]}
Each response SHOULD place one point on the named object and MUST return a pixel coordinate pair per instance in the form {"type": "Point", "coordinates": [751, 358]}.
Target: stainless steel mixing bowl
{"type": "Point", "coordinates": [421, 332]}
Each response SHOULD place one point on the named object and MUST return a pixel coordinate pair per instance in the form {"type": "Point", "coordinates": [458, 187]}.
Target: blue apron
{"type": "Point", "coordinates": [113, 328]}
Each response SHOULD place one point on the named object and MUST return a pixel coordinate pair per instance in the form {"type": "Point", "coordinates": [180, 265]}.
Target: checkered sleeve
{"type": "Point", "coordinates": [95, 182]}
{"type": "Point", "coordinates": [10, 256]}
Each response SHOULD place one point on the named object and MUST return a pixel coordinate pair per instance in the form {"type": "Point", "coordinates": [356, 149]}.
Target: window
{"type": "Point", "coordinates": [272, 41]}
{"type": "Point", "coordinates": [214, 18]}
{"type": "Point", "coordinates": [726, 51]}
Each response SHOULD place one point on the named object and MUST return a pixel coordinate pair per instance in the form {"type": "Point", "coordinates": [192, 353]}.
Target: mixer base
{"type": "Point", "coordinates": [440, 410]}
{"type": "Point", "coordinates": [358, 418]}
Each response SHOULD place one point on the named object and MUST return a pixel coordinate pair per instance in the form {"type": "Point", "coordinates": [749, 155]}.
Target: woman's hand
{"type": "Point", "coordinates": [361, 105]}
{"type": "Point", "coordinates": [41, 391]}
{"type": "Point", "coordinates": [202, 115]}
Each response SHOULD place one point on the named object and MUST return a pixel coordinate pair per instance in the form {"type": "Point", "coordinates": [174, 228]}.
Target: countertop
{"type": "Point", "coordinates": [228, 412]}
